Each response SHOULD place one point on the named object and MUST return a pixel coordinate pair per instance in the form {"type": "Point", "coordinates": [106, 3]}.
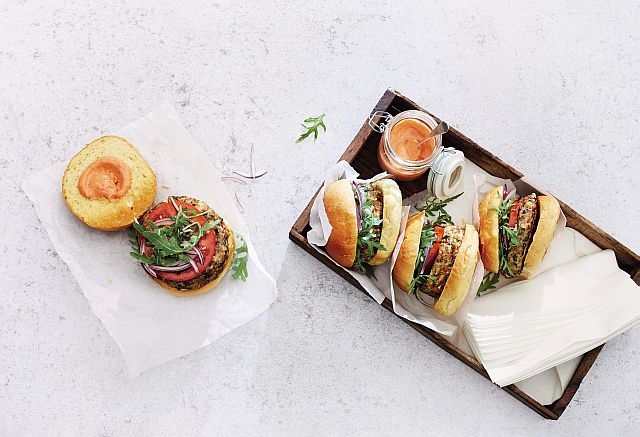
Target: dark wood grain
{"type": "Point", "coordinates": [361, 153]}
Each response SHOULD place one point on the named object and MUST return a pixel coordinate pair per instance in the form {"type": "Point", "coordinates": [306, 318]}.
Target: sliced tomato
{"type": "Point", "coordinates": [207, 243]}
{"type": "Point", "coordinates": [432, 252]}
{"type": "Point", "coordinates": [166, 209]}
{"type": "Point", "coordinates": [513, 213]}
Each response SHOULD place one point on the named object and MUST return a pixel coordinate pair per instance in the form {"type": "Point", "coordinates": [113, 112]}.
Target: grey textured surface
{"type": "Point", "coordinates": [553, 90]}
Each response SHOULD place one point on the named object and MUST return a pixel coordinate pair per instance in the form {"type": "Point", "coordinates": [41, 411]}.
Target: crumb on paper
{"type": "Point", "coordinates": [109, 281]}
{"type": "Point", "coordinates": [164, 187]}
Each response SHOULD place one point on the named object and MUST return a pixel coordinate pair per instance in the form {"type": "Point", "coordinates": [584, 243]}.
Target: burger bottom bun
{"type": "Point", "coordinates": [340, 206]}
{"type": "Point", "coordinates": [406, 261]}
{"type": "Point", "coordinates": [459, 281]}
{"type": "Point", "coordinates": [549, 212]}
{"type": "Point", "coordinates": [208, 286]}
{"type": "Point", "coordinates": [391, 218]}
{"type": "Point", "coordinates": [488, 229]}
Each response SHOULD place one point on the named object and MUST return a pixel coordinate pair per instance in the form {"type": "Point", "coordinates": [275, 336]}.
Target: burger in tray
{"type": "Point", "coordinates": [515, 233]}
{"type": "Point", "coordinates": [437, 259]}
{"type": "Point", "coordinates": [365, 220]}
{"type": "Point", "coordinates": [183, 245]}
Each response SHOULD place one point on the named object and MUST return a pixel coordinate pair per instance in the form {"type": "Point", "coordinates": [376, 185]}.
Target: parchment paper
{"type": "Point", "coordinates": [149, 325]}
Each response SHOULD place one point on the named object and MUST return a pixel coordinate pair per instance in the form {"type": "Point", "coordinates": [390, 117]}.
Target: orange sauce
{"type": "Point", "coordinates": [106, 178]}
{"type": "Point", "coordinates": [406, 138]}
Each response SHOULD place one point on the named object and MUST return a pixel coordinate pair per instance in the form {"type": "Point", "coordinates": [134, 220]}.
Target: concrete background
{"type": "Point", "coordinates": [553, 89]}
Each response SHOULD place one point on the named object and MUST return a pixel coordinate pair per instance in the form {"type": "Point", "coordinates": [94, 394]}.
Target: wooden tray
{"type": "Point", "coordinates": [361, 154]}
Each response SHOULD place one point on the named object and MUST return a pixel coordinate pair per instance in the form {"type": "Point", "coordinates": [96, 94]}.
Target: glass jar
{"type": "Point", "coordinates": [399, 165]}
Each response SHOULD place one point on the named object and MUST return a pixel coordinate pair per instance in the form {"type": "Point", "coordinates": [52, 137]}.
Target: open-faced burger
{"type": "Point", "coordinates": [183, 245]}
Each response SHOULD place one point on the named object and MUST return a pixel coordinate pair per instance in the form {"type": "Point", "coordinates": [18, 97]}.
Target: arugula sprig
{"type": "Point", "coordinates": [436, 215]}
{"type": "Point", "coordinates": [488, 283]}
{"type": "Point", "coordinates": [312, 128]}
{"type": "Point", "coordinates": [368, 237]}
{"type": "Point", "coordinates": [240, 259]}
{"type": "Point", "coordinates": [427, 238]}
{"type": "Point", "coordinates": [169, 243]}
{"type": "Point", "coordinates": [434, 207]}
{"type": "Point", "coordinates": [510, 233]}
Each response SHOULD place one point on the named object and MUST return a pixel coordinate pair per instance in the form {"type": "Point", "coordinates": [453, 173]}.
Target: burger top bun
{"type": "Point", "coordinates": [549, 213]}
{"type": "Point", "coordinates": [340, 206]}
{"type": "Point", "coordinates": [488, 229]}
{"type": "Point", "coordinates": [391, 218]}
{"type": "Point", "coordinates": [108, 183]}
{"type": "Point", "coordinates": [406, 261]}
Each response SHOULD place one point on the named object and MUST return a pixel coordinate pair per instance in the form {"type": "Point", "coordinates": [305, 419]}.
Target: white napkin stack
{"type": "Point", "coordinates": [527, 327]}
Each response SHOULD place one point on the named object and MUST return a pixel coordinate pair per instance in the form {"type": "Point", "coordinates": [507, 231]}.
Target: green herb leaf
{"type": "Point", "coordinates": [169, 243]}
{"type": "Point", "coordinates": [434, 207]}
{"type": "Point", "coordinates": [313, 124]}
{"type": "Point", "coordinates": [488, 283]}
{"type": "Point", "coordinates": [419, 280]}
{"type": "Point", "coordinates": [511, 234]}
{"type": "Point", "coordinates": [240, 259]}
{"type": "Point", "coordinates": [368, 237]}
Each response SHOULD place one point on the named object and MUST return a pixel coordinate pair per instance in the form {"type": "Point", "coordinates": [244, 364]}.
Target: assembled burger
{"type": "Point", "coordinates": [365, 221]}
{"type": "Point", "coordinates": [515, 233]}
{"type": "Point", "coordinates": [183, 245]}
{"type": "Point", "coordinates": [437, 260]}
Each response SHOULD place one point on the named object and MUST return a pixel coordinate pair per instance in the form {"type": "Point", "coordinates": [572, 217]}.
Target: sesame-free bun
{"type": "Point", "coordinates": [549, 212]}
{"type": "Point", "coordinates": [488, 229]}
{"type": "Point", "coordinates": [340, 206]}
{"type": "Point", "coordinates": [459, 281]}
{"type": "Point", "coordinates": [130, 184]}
{"type": "Point", "coordinates": [406, 261]}
{"type": "Point", "coordinates": [391, 218]}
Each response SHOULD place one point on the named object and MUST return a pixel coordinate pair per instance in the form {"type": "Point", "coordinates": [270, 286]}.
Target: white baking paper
{"type": "Point", "coordinates": [149, 325]}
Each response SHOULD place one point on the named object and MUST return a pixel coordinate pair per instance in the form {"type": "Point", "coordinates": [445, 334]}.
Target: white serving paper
{"type": "Point", "coordinates": [149, 325]}
{"type": "Point", "coordinates": [530, 326]}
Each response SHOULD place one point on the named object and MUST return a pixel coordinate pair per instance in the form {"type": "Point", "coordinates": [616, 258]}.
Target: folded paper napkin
{"type": "Point", "coordinates": [527, 327]}
{"type": "Point", "coordinates": [149, 325]}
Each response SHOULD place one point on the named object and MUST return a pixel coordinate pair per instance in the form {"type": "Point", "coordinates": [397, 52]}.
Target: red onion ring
{"type": "Point", "coordinates": [195, 251]}
{"type": "Point", "coordinates": [194, 265]}
{"type": "Point", "coordinates": [174, 268]}
{"type": "Point", "coordinates": [359, 205]}
{"type": "Point", "coordinates": [149, 270]}
{"type": "Point", "coordinates": [173, 202]}
{"type": "Point", "coordinates": [250, 176]}
{"type": "Point", "coordinates": [163, 222]}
